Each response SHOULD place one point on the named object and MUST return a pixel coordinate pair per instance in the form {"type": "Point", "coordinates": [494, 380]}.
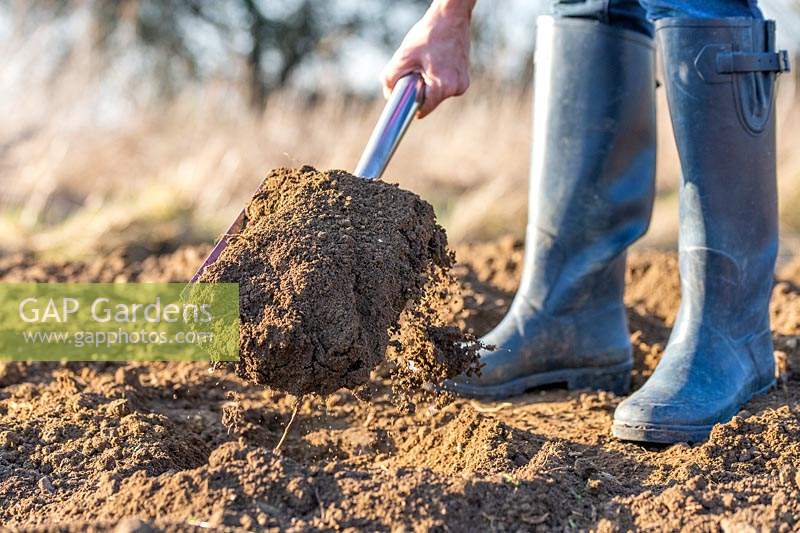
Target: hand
{"type": "Point", "coordinates": [438, 48]}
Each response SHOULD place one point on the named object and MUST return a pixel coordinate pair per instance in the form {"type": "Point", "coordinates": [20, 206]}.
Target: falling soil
{"type": "Point", "coordinates": [326, 264]}
{"type": "Point", "coordinates": [177, 446]}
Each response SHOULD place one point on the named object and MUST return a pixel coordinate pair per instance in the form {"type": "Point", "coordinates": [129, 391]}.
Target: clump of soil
{"type": "Point", "coordinates": [326, 265]}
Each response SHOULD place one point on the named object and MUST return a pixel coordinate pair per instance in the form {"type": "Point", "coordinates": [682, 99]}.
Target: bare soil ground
{"type": "Point", "coordinates": [180, 446]}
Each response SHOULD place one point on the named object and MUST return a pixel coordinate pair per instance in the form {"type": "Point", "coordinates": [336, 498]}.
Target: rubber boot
{"type": "Point", "coordinates": [720, 78]}
{"type": "Point", "coordinates": [591, 195]}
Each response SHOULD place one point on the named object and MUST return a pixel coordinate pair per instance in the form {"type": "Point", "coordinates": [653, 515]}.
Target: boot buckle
{"type": "Point", "coordinates": [739, 62]}
{"type": "Point", "coordinates": [716, 63]}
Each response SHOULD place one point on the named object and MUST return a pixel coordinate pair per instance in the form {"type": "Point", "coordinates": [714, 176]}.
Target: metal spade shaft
{"type": "Point", "coordinates": [406, 97]}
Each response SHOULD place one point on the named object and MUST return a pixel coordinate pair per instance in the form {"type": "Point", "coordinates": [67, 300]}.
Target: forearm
{"type": "Point", "coordinates": [454, 8]}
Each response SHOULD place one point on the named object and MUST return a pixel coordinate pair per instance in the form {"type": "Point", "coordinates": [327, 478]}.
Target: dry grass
{"type": "Point", "coordinates": [76, 184]}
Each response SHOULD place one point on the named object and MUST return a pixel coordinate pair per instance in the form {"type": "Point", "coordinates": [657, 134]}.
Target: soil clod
{"type": "Point", "coordinates": [326, 264]}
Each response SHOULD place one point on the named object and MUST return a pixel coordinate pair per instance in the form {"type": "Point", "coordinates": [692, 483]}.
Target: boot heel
{"type": "Point", "coordinates": [616, 381]}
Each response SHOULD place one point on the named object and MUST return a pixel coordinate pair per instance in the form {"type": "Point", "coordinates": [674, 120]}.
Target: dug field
{"type": "Point", "coordinates": [181, 446]}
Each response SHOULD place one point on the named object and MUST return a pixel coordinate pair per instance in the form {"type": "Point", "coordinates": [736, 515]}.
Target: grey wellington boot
{"type": "Point", "coordinates": [591, 194]}
{"type": "Point", "coordinates": [720, 77]}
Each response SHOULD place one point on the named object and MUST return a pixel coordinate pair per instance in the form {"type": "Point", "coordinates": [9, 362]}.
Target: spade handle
{"type": "Point", "coordinates": [407, 95]}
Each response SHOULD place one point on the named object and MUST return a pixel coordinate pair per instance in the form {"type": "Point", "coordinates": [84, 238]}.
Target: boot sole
{"type": "Point", "coordinates": [616, 379]}
{"type": "Point", "coordinates": [669, 433]}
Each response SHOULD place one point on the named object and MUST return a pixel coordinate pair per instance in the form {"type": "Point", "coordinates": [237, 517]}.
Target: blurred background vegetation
{"type": "Point", "coordinates": [145, 124]}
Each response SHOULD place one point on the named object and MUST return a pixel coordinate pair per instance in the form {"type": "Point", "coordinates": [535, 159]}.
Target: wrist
{"type": "Point", "coordinates": [458, 10]}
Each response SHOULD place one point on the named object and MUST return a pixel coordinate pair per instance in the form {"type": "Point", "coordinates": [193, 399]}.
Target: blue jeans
{"type": "Point", "coordinates": [640, 14]}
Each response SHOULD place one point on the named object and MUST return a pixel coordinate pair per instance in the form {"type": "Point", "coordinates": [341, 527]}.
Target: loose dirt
{"type": "Point", "coordinates": [326, 265]}
{"type": "Point", "coordinates": [179, 446]}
